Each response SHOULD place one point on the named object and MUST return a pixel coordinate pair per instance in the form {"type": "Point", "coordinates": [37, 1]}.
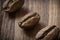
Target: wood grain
{"type": "Point", "coordinates": [8, 24]}
{"type": "Point", "coordinates": [9, 29]}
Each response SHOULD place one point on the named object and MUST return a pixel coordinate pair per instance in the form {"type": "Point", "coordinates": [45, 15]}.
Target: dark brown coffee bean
{"type": "Point", "coordinates": [29, 20]}
{"type": "Point", "coordinates": [12, 5]}
{"type": "Point", "coordinates": [52, 35]}
{"type": "Point", "coordinates": [45, 31]}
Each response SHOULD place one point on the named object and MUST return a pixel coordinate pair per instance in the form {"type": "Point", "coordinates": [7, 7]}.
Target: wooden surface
{"type": "Point", "coordinates": [9, 22]}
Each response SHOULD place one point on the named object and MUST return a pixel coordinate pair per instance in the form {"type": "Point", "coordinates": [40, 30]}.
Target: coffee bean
{"type": "Point", "coordinates": [43, 32]}
{"type": "Point", "coordinates": [29, 20]}
{"type": "Point", "coordinates": [12, 5]}
{"type": "Point", "coordinates": [52, 35]}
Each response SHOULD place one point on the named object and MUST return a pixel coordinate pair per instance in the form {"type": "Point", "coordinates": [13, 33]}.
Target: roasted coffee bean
{"type": "Point", "coordinates": [12, 5]}
{"type": "Point", "coordinates": [29, 20]}
{"type": "Point", "coordinates": [52, 35]}
{"type": "Point", "coordinates": [45, 31]}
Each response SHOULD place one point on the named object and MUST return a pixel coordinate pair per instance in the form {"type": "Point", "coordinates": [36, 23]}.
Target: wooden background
{"type": "Point", "coordinates": [9, 29]}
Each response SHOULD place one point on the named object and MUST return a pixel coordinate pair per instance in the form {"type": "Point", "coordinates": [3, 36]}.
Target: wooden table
{"type": "Point", "coordinates": [9, 29]}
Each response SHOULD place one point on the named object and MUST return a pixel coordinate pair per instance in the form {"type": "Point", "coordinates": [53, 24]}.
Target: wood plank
{"type": "Point", "coordinates": [9, 29]}
{"type": "Point", "coordinates": [8, 24]}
